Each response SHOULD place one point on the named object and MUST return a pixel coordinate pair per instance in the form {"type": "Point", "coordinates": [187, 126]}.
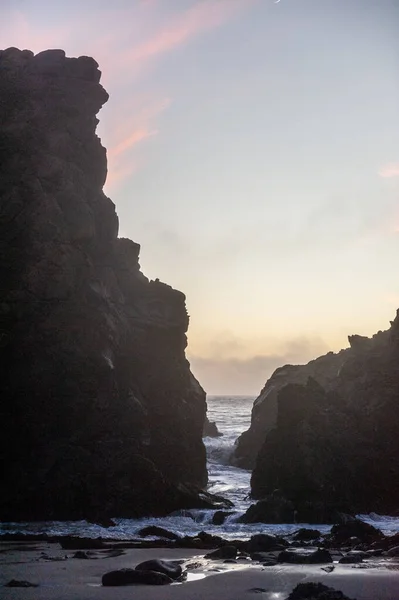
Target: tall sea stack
{"type": "Point", "coordinates": [324, 437]}
{"type": "Point", "coordinates": [99, 410]}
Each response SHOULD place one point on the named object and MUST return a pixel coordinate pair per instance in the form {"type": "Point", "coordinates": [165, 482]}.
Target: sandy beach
{"type": "Point", "coordinates": [62, 577]}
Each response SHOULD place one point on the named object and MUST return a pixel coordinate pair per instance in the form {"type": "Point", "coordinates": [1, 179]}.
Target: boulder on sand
{"type": "Point", "coordinates": [168, 567]}
{"type": "Point", "coordinates": [133, 576]}
{"type": "Point", "coordinates": [316, 591]}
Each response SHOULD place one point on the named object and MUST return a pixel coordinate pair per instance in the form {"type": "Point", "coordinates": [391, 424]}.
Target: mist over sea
{"type": "Point", "coordinates": [232, 415]}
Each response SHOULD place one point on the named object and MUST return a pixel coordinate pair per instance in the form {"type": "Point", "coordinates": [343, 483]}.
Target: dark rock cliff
{"type": "Point", "coordinates": [334, 444]}
{"type": "Point", "coordinates": [99, 409]}
{"type": "Point", "coordinates": [264, 411]}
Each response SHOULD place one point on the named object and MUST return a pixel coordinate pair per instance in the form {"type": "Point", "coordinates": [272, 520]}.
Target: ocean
{"type": "Point", "coordinates": [232, 415]}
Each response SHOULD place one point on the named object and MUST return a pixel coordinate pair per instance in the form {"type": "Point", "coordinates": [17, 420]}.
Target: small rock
{"type": "Point", "coordinates": [223, 552]}
{"type": "Point", "coordinates": [260, 556]}
{"type": "Point", "coordinates": [313, 558]}
{"type": "Point", "coordinates": [158, 531]}
{"type": "Point", "coordinates": [393, 551]}
{"type": "Point", "coordinates": [304, 535]}
{"type": "Point", "coordinates": [362, 532]}
{"type": "Point", "coordinates": [220, 516]}
{"type": "Point", "coordinates": [350, 559]}
{"type": "Point", "coordinates": [262, 542]}
{"type": "Point", "coordinates": [210, 429]}
{"type": "Point", "coordinates": [315, 591]}
{"type": "Point", "coordinates": [328, 569]}
{"type": "Point", "coordinates": [20, 583]}
{"type": "Point", "coordinates": [134, 576]}
{"type": "Point", "coordinates": [170, 568]}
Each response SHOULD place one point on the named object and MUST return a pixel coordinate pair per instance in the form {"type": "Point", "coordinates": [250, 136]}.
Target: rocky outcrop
{"type": "Point", "coordinates": [334, 443]}
{"type": "Point", "coordinates": [324, 370]}
{"type": "Point", "coordinates": [210, 429]}
{"type": "Point", "coordinates": [100, 413]}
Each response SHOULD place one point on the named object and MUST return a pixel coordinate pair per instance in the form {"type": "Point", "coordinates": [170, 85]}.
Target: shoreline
{"type": "Point", "coordinates": [61, 576]}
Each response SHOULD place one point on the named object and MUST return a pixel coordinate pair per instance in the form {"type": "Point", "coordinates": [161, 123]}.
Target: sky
{"type": "Point", "coordinates": [253, 152]}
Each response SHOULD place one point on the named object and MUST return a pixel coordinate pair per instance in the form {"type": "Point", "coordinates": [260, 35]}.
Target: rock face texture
{"type": "Point", "coordinates": [331, 438]}
{"type": "Point", "coordinates": [264, 411]}
{"type": "Point", "coordinates": [99, 409]}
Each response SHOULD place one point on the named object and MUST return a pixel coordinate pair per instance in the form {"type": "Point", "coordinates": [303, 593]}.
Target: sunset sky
{"type": "Point", "coordinates": [253, 153]}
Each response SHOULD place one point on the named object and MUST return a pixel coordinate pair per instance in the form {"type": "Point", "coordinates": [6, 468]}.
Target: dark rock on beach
{"type": "Point", "coordinates": [317, 557]}
{"type": "Point", "coordinates": [262, 542]}
{"type": "Point", "coordinates": [133, 576]}
{"type": "Point", "coordinates": [316, 591]}
{"type": "Point", "coordinates": [351, 558]}
{"type": "Point", "coordinates": [223, 552]}
{"type": "Point", "coordinates": [273, 509]}
{"type": "Point", "coordinates": [305, 535]}
{"type": "Point", "coordinates": [20, 583]}
{"type": "Point", "coordinates": [70, 542]}
{"type": "Point", "coordinates": [167, 567]}
{"type": "Point", "coordinates": [100, 413]}
{"type": "Point", "coordinates": [364, 532]}
{"type": "Point", "coordinates": [153, 530]}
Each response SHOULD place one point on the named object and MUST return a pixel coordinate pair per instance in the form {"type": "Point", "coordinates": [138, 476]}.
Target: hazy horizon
{"type": "Point", "coordinates": [253, 152]}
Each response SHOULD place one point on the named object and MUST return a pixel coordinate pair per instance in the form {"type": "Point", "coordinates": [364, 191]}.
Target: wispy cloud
{"type": "Point", "coordinates": [203, 16]}
{"type": "Point", "coordinates": [390, 170]}
{"type": "Point", "coordinates": [126, 133]}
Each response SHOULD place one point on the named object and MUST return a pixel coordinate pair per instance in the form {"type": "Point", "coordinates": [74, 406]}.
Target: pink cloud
{"type": "Point", "coordinates": [128, 131]}
{"type": "Point", "coordinates": [130, 141]}
{"type": "Point", "coordinates": [203, 16]}
{"type": "Point", "coordinates": [390, 170]}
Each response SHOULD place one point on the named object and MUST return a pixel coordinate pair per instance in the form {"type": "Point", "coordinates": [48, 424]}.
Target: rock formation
{"type": "Point", "coordinates": [324, 370]}
{"type": "Point", "coordinates": [100, 413]}
{"type": "Point", "coordinates": [331, 437]}
{"type": "Point", "coordinates": [210, 429]}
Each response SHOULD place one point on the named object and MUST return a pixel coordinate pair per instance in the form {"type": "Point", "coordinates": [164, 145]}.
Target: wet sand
{"type": "Point", "coordinates": [80, 579]}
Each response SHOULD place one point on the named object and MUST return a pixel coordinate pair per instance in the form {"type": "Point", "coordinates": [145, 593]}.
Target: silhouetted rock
{"type": "Point", "coordinates": [100, 414]}
{"type": "Point", "coordinates": [70, 542]}
{"type": "Point", "coordinates": [317, 557]}
{"type": "Point", "coordinates": [264, 411]}
{"type": "Point", "coordinates": [133, 576]}
{"type": "Point", "coordinates": [210, 429]}
{"type": "Point", "coordinates": [263, 557]}
{"type": "Point", "coordinates": [167, 567]}
{"type": "Point", "coordinates": [273, 509]}
{"type": "Point", "coordinates": [158, 531]}
{"type": "Point", "coordinates": [316, 591]}
{"type": "Point", "coordinates": [220, 516]}
{"type": "Point", "coordinates": [305, 535]}
{"type": "Point", "coordinates": [355, 528]}
{"type": "Point", "coordinates": [223, 552]}
{"type": "Point", "coordinates": [20, 583]}
{"type": "Point", "coordinates": [326, 434]}
{"type": "Point", "coordinates": [350, 559]}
